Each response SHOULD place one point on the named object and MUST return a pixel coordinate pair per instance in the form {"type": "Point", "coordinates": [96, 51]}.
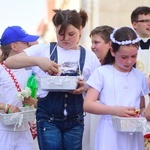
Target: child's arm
{"type": "Point", "coordinates": [92, 106]}
{"type": "Point", "coordinates": [9, 108]}
{"type": "Point", "coordinates": [22, 61]}
{"type": "Point", "coordinates": [147, 112]}
{"type": "Point", "coordinates": [142, 105]}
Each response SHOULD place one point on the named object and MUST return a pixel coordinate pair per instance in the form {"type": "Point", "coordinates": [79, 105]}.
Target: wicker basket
{"type": "Point", "coordinates": [25, 115]}
{"type": "Point", "coordinates": [126, 124]}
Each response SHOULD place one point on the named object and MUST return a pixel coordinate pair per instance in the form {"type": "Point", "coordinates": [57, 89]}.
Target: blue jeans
{"type": "Point", "coordinates": [60, 134]}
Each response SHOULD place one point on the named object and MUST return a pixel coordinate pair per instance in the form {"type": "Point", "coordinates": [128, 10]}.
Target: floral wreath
{"type": "Point", "coordinates": [124, 42]}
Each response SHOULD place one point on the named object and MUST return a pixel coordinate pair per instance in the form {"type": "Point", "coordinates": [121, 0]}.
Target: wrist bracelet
{"type": "Point", "coordinates": [7, 106]}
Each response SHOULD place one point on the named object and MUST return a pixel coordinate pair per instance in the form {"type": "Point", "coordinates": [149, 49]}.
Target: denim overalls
{"type": "Point", "coordinates": [55, 130]}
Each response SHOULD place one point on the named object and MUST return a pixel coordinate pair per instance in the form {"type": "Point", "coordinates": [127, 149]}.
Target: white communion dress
{"type": "Point", "coordinates": [118, 89]}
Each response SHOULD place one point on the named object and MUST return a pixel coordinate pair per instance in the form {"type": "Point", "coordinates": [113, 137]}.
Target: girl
{"type": "Point", "coordinates": [60, 116]}
{"type": "Point", "coordinates": [13, 41]}
{"type": "Point", "coordinates": [120, 88]}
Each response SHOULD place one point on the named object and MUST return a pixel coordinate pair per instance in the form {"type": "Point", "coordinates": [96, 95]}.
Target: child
{"type": "Point", "coordinates": [140, 19]}
{"type": "Point", "coordinates": [100, 44]}
{"type": "Point", "coordinates": [100, 38]}
{"type": "Point", "coordinates": [13, 41]}
{"type": "Point", "coordinates": [120, 88]}
{"type": "Point", "coordinates": [60, 116]}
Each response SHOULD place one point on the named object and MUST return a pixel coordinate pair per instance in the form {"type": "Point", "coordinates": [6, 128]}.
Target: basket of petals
{"type": "Point", "coordinates": [128, 124]}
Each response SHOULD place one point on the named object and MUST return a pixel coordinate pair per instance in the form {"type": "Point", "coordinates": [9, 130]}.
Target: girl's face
{"type": "Point", "coordinates": [18, 47]}
{"type": "Point", "coordinates": [125, 57]}
{"type": "Point", "coordinates": [99, 46]}
{"type": "Point", "coordinates": [21, 46]}
{"type": "Point", "coordinates": [70, 39]}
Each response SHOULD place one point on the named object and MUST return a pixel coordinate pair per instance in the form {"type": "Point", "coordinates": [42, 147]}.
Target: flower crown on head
{"type": "Point", "coordinates": [124, 42]}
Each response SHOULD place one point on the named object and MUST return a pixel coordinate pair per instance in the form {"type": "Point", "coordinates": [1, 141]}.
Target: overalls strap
{"type": "Point", "coordinates": [53, 55]}
{"type": "Point", "coordinates": [53, 52]}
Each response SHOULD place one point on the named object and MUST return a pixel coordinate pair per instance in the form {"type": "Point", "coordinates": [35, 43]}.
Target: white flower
{"type": "Point", "coordinates": [19, 96]}
{"type": "Point", "coordinates": [24, 94]}
{"type": "Point", "coordinates": [126, 42]}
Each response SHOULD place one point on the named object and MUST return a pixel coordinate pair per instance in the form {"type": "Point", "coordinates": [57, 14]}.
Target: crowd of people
{"type": "Point", "coordinates": [110, 84]}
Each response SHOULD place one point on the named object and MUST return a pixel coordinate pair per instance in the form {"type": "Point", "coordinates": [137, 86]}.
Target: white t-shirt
{"type": "Point", "coordinates": [8, 92]}
{"type": "Point", "coordinates": [70, 57]}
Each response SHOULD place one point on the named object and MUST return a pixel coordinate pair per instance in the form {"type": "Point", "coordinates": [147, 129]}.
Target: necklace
{"type": "Point", "coordinates": [122, 84]}
{"type": "Point", "coordinates": [21, 93]}
{"type": "Point", "coordinates": [12, 76]}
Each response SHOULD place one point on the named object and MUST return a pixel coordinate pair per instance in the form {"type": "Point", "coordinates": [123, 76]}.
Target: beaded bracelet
{"type": "Point", "coordinates": [7, 106]}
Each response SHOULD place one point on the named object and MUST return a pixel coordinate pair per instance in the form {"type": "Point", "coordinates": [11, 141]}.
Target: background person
{"type": "Point", "coordinates": [100, 39]}
{"type": "Point", "coordinates": [100, 45]}
{"type": "Point", "coordinates": [140, 19]}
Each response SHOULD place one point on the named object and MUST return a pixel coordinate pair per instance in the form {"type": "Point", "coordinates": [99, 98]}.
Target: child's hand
{"type": "Point", "coordinates": [81, 87]}
{"type": "Point", "coordinates": [12, 109]}
{"type": "Point", "coordinates": [30, 101]}
{"type": "Point", "coordinates": [137, 111]}
{"type": "Point", "coordinates": [48, 66]}
{"type": "Point", "coordinates": [123, 111]}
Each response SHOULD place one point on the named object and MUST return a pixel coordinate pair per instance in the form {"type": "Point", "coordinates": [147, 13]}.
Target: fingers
{"type": "Point", "coordinates": [52, 69]}
{"type": "Point", "coordinates": [47, 65]}
{"type": "Point", "coordinates": [123, 111]}
{"type": "Point", "coordinates": [79, 90]}
{"type": "Point", "coordinates": [30, 101]}
{"type": "Point", "coordinates": [13, 109]}
{"type": "Point", "coordinates": [131, 112]}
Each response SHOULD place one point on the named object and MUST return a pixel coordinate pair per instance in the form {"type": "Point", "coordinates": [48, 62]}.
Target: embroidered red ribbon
{"type": "Point", "coordinates": [12, 76]}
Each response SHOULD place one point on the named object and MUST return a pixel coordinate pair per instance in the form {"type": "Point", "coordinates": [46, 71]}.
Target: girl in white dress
{"type": "Point", "coordinates": [121, 89]}
{"type": "Point", "coordinates": [12, 81]}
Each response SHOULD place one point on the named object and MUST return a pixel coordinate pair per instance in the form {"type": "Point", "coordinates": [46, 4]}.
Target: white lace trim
{"type": "Point", "coordinates": [123, 42]}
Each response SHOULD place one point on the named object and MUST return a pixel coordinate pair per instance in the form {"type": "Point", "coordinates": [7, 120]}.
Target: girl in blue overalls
{"type": "Point", "coordinates": [60, 115]}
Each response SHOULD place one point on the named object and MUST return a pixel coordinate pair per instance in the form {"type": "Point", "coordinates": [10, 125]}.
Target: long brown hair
{"type": "Point", "coordinates": [5, 52]}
